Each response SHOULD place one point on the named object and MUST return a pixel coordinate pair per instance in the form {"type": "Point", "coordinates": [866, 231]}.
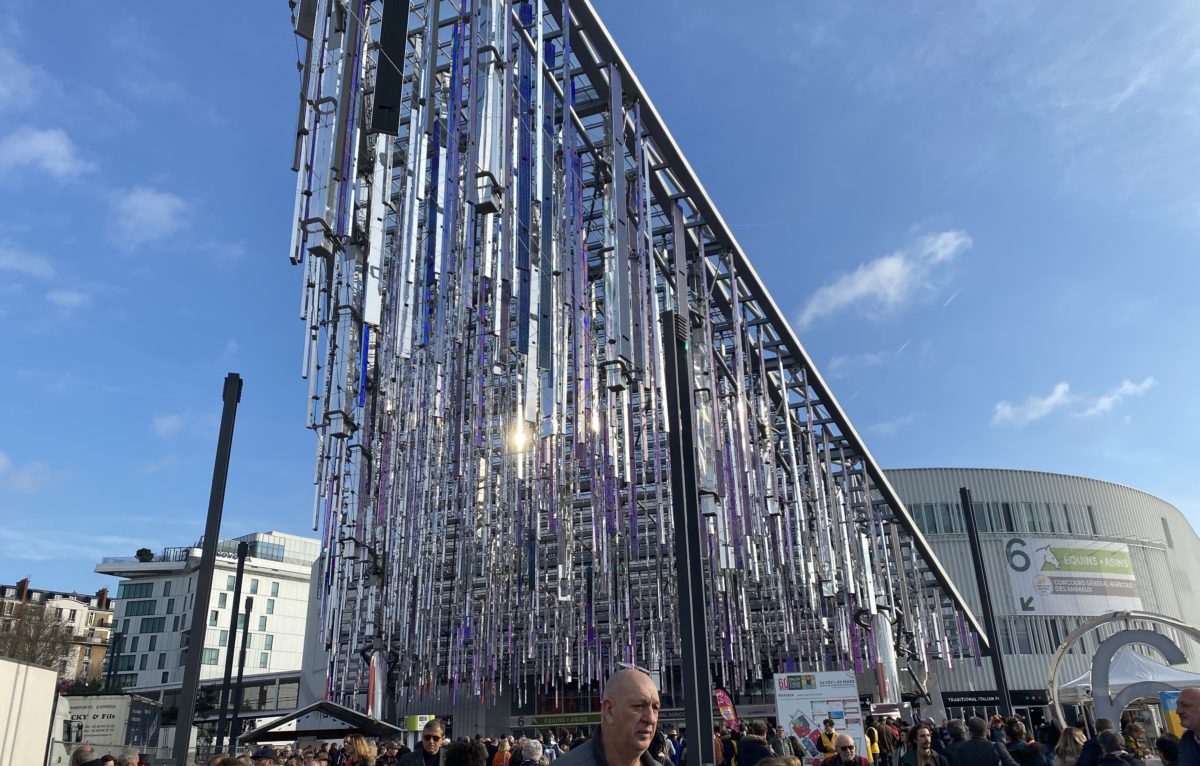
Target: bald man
{"type": "Point", "coordinates": [845, 754]}
{"type": "Point", "coordinates": [1188, 708]}
{"type": "Point", "coordinates": [629, 718]}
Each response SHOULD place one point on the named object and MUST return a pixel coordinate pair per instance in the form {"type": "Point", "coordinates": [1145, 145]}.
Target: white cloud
{"type": "Point", "coordinates": [167, 426]}
{"type": "Point", "coordinates": [845, 364]}
{"type": "Point", "coordinates": [1033, 408]}
{"type": "Point", "coordinates": [68, 301]}
{"type": "Point", "coordinates": [1112, 398]}
{"type": "Point", "coordinates": [18, 81]}
{"type": "Point", "coordinates": [144, 215]}
{"type": "Point", "coordinates": [1036, 407]}
{"type": "Point", "coordinates": [27, 478]}
{"type": "Point", "coordinates": [49, 150]}
{"type": "Point", "coordinates": [889, 282]}
{"type": "Point", "coordinates": [896, 425]}
{"type": "Point", "coordinates": [25, 263]}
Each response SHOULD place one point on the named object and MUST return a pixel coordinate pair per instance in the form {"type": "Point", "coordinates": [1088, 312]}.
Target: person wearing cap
{"type": "Point", "coordinates": [264, 756]}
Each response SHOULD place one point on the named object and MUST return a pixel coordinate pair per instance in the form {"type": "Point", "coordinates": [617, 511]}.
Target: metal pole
{"type": "Point", "coordinates": [689, 567]}
{"type": "Point", "coordinates": [243, 551]}
{"type": "Point", "coordinates": [985, 602]}
{"type": "Point", "coordinates": [237, 696]}
{"type": "Point", "coordinates": [231, 395]}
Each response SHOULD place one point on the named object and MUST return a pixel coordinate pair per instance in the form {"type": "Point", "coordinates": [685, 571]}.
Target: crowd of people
{"type": "Point", "coordinates": [630, 736]}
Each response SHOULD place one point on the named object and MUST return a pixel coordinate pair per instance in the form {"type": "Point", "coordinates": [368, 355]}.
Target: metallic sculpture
{"type": "Point", "coordinates": [491, 217]}
{"type": "Point", "coordinates": [1104, 704]}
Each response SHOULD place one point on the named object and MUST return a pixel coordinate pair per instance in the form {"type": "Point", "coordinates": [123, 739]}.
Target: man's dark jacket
{"type": "Point", "coordinates": [978, 752]}
{"type": "Point", "coordinates": [590, 753]}
{"type": "Point", "coordinates": [752, 749]}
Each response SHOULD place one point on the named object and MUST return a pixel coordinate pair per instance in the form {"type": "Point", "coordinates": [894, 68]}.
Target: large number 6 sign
{"type": "Point", "coordinates": [1104, 704]}
{"type": "Point", "coordinates": [1018, 559]}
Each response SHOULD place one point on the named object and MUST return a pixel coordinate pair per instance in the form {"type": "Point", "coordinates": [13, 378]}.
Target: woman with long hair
{"type": "Point", "coordinates": [358, 751]}
{"type": "Point", "coordinates": [1069, 746]}
{"type": "Point", "coordinates": [920, 748]}
{"type": "Point", "coordinates": [503, 753]}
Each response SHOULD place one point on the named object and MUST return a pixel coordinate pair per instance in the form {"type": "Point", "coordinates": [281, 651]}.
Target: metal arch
{"type": "Point", "coordinates": [586, 17]}
{"type": "Point", "coordinates": [1104, 619]}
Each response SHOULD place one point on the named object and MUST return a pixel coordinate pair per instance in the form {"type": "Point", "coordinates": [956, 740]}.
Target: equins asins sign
{"type": "Point", "coordinates": [1070, 577]}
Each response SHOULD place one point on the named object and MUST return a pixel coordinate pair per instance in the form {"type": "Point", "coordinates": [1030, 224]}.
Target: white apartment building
{"type": "Point", "coordinates": [153, 608]}
{"type": "Point", "coordinates": [88, 616]}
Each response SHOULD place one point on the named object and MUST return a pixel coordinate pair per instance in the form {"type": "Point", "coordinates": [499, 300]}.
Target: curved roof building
{"type": "Point", "coordinates": [1057, 550]}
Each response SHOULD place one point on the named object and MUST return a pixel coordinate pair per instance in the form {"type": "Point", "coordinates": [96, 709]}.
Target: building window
{"type": "Point", "coordinates": [166, 675]}
{"type": "Point", "coordinates": [125, 662]}
{"type": "Point", "coordinates": [210, 656]}
{"type": "Point", "coordinates": [262, 623]}
{"type": "Point", "coordinates": [135, 590]}
{"type": "Point", "coordinates": [175, 625]}
{"type": "Point", "coordinates": [1006, 516]}
{"type": "Point", "coordinates": [1092, 520]}
{"type": "Point", "coordinates": [223, 639]}
{"type": "Point", "coordinates": [166, 587]}
{"type": "Point", "coordinates": [125, 680]}
{"type": "Point", "coordinates": [1029, 518]}
{"type": "Point", "coordinates": [162, 660]}
{"type": "Point", "coordinates": [133, 642]}
{"type": "Point", "coordinates": [262, 659]}
{"type": "Point", "coordinates": [125, 627]}
{"type": "Point", "coordinates": [71, 615]}
{"type": "Point", "coordinates": [268, 642]}
{"type": "Point", "coordinates": [229, 581]}
{"type": "Point", "coordinates": [212, 617]}
{"type": "Point", "coordinates": [241, 620]}
{"type": "Point", "coordinates": [222, 600]}
{"type": "Point", "coordinates": [153, 625]}
{"type": "Point", "coordinates": [153, 642]}
{"type": "Point", "coordinates": [1167, 534]}
{"type": "Point", "coordinates": [139, 608]}
{"type": "Point", "coordinates": [170, 606]}
{"type": "Point", "coordinates": [58, 613]}
{"type": "Point", "coordinates": [142, 663]}
{"type": "Point", "coordinates": [274, 589]}
{"type": "Point", "coordinates": [254, 585]}
{"type": "Point", "coordinates": [270, 606]}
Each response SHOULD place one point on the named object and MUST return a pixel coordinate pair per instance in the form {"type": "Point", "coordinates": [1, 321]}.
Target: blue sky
{"type": "Point", "coordinates": [983, 220]}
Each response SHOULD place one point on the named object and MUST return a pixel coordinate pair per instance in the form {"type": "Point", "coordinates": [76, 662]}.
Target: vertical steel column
{"type": "Point", "coordinates": [231, 395]}
{"type": "Point", "coordinates": [985, 602]}
{"type": "Point", "coordinates": [242, 551]}
{"type": "Point", "coordinates": [689, 567]}
{"type": "Point", "coordinates": [237, 696]}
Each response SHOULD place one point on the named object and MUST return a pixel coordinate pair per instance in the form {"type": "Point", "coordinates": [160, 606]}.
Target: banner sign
{"type": "Point", "coordinates": [728, 711]}
{"type": "Point", "coordinates": [1070, 577]}
{"type": "Point", "coordinates": [804, 700]}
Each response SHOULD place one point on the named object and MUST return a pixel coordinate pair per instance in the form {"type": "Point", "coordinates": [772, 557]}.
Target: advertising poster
{"type": "Point", "coordinates": [804, 700]}
{"type": "Point", "coordinates": [1070, 577]}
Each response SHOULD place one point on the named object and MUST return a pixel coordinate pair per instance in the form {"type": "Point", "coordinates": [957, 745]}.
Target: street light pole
{"type": "Point", "coordinates": [243, 550]}
{"type": "Point", "coordinates": [237, 705]}
{"type": "Point", "coordinates": [689, 567]}
{"type": "Point", "coordinates": [230, 395]}
{"type": "Point", "coordinates": [985, 601]}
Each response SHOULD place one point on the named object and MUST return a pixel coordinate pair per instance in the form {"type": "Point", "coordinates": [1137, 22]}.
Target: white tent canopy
{"type": "Point", "coordinates": [1127, 668]}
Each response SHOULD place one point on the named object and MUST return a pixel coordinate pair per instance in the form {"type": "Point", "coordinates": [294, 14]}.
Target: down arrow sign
{"type": "Point", "coordinates": [1027, 604]}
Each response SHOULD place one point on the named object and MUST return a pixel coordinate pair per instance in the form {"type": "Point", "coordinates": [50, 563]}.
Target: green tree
{"type": "Point", "coordinates": [36, 637]}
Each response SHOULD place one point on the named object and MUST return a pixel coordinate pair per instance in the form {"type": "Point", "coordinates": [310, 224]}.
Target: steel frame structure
{"type": "Point", "coordinates": [491, 217]}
